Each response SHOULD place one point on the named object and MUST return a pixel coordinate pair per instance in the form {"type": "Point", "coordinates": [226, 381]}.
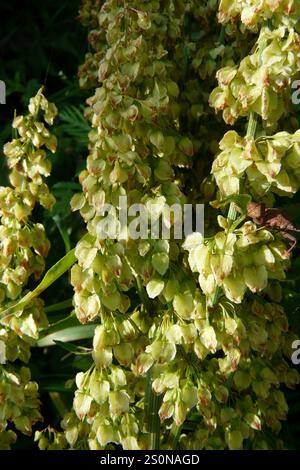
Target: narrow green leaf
{"type": "Point", "coordinates": [54, 273]}
{"type": "Point", "coordinates": [63, 232]}
{"type": "Point", "coordinates": [241, 200]}
{"type": "Point", "coordinates": [53, 383]}
{"type": "Point", "coordinates": [67, 322]}
{"type": "Point", "coordinates": [59, 306]}
{"type": "Point", "coordinates": [73, 348]}
{"type": "Point", "coordinates": [67, 335]}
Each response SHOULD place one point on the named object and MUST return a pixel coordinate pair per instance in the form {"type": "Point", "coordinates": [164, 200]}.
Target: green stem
{"type": "Point", "coordinates": [222, 35]}
{"type": "Point", "coordinates": [251, 130]}
{"type": "Point", "coordinates": [63, 233]}
{"type": "Point", "coordinates": [155, 432]}
{"type": "Point", "coordinates": [147, 400]}
{"type": "Point", "coordinates": [175, 435]}
{"type": "Point", "coordinates": [152, 402]}
{"type": "Point", "coordinates": [252, 125]}
{"type": "Point", "coordinates": [232, 212]}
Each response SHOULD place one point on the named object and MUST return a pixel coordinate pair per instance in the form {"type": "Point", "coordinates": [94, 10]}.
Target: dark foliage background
{"type": "Point", "coordinates": [42, 42]}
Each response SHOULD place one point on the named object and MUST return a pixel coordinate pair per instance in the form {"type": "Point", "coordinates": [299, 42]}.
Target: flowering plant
{"type": "Point", "coordinates": [189, 344]}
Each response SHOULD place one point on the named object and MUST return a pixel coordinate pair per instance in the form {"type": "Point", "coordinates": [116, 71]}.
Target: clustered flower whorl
{"type": "Point", "coordinates": [23, 248]}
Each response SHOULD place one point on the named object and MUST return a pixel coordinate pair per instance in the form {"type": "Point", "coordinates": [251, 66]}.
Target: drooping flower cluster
{"type": "Point", "coordinates": [130, 142]}
{"type": "Point", "coordinates": [261, 166]}
{"type": "Point", "coordinates": [23, 247]}
{"type": "Point", "coordinates": [244, 259]}
{"type": "Point", "coordinates": [27, 159]}
{"type": "Point", "coordinates": [253, 13]}
{"type": "Point", "coordinates": [261, 82]}
{"type": "Point", "coordinates": [19, 399]}
{"type": "Point", "coordinates": [249, 256]}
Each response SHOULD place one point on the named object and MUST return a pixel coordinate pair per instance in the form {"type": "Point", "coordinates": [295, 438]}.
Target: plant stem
{"type": "Point", "coordinates": [251, 130]}
{"type": "Point", "coordinates": [232, 212]}
{"type": "Point", "coordinates": [147, 400]}
{"type": "Point", "coordinates": [63, 233]}
{"type": "Point", "coordinates": [175, 435]}
{"type": "Point", "coordinates": [152, 404]}
{"type": "Point", "coordinates": [222, 35]}
{"type": "Point", "coordinates": [155, 423]}
{"type": "Point", "coordinates": [152, 401]}
{"type": "Point", "coordinates": [252, 125]}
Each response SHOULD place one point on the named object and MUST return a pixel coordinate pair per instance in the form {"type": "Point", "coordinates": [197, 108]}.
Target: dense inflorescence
{"type": "Point", "coordinates": [210, 349]}
{"type": "Point", "coordinates": [253, 13]}
{"type": "Point", "coordinates": [245, 256]}
{"type": "Point", "coordinates": [23, 248]}
{"type": "Point", "coordinates": [260, 167]}
{"type": "Point", "coordinates": [261, 82]}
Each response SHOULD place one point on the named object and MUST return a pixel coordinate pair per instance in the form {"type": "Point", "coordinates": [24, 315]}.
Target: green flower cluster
{"type": "Point", "coordinates": [100, 281]}
{"type": "Point", "coordinates": [129, 141]}
{"type": "Point", "coordinates": [89, 16]}
{"type": "Point", "coordinates": [106, 398]}
{"type": "Point", "coordinates": [261, 82]}
{"type": "Point", "coordinates": [23, 247]}
{"type": "Point", "coordinates": [26, 157]}
{"type": "Point", "coordinates": [19, 399]}
{"type": "Point", "coordinates": [237, 261]}
{"type": "Point", "coordinates": [202, 50]}
{"type": "Point", "coordinates": [134, 138]}
{"type": "Point", "coordinates": [258, 166]}
{"type": "Point", "coordinates": [24, 244]}
{"type": "Point", "coordinates": [252, 13]}
{"type": "Point", "coordinates": [240, 393]}
{"type": "Point", "coordinates": [247, 258]}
